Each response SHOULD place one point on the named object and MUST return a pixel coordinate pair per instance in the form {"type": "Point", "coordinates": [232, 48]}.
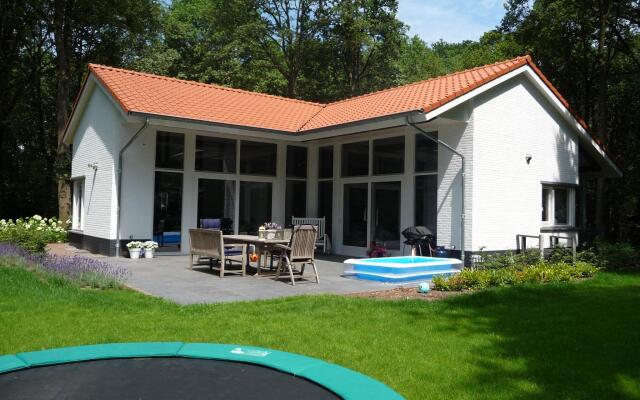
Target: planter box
{"type": "Point", "coordinates": [271, 234]}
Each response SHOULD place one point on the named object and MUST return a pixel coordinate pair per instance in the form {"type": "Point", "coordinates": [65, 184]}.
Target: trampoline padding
{"type": "Point", "coordinates": [10, 363]}
{"type": "Point", "coordinates": [346, 383]}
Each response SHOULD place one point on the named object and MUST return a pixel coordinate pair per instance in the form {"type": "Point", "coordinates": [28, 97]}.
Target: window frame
{"type": "Point", "coordinates": [78, 211]}
{"type": "Point", "coordinates": [551, 205]}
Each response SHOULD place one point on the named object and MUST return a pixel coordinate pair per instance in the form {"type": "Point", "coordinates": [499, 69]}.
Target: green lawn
{"type": "Point", "coordinates": [569, 341]}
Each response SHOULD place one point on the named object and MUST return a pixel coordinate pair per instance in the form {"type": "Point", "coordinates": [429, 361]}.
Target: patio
{"type": "Point", "coordinates": [169, 277]}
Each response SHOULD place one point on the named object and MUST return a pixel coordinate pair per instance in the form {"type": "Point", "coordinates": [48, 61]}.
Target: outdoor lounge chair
{"type": "Point", "coordinates": [209, 244]}
{"type": "Point", "coordinates": [300, 250]}
{"type": "Point", "coordinates": [323, 239]}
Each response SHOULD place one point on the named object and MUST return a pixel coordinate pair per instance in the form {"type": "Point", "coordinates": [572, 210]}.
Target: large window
{"type": "Point", "coordinates": [355, 159]}
{"type": "Point", "coordinates": [77, 221]}
{"type": "Point", "coordinates": [558, 205]}
{"type": "Point", "coordinates": [426, 153]}
{"type": "Point", "coordinates": [426, 201]}
{"type": "Point", "coordinates": [388, 156]}
{"type": "Point", "coordinates": [296, 162]}
{"type": "Point", "coordinates": [295, 204]}
{"type": "Point", "coordinates": [255, 206]}
{"type": "Point", "coordinates": [215, 154]}
{"type": "Point", "coordinates": [258, 158]}
{"type": "Point", "coordinates": [325, 204]}
{"type": "Point", "coordinates": [325, 162]}
{"type": "Point", "coordinates": [169, 150]}
{"type": "Point", "coordinates": [296, 200]}
{"type": "Point", "coordinates": [216, 200]}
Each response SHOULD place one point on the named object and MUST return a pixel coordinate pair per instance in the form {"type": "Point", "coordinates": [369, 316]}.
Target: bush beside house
{"type": "Point", "coordinates": [33, 233]}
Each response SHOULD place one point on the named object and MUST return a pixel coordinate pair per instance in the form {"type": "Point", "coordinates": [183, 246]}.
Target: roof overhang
{"type": "Point", "coordinates": [373, 124]}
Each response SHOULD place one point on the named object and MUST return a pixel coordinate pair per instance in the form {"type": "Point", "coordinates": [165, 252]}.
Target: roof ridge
{"type": "Point", "coordinates": [527, 59]}
{"type": "Point", "coordinates": [93, 66]}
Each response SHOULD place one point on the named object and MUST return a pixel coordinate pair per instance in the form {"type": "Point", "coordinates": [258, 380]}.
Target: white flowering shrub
{"type": "Point", "coordinates": [33, 233]}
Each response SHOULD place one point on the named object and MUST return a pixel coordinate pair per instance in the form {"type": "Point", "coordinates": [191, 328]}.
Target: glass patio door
{"type": "Point", "coordinates": [356, 208]}
{"type": "Point", "coordinates": [167, 210]}
{"type": "Point", "coordinates": [385, 214]}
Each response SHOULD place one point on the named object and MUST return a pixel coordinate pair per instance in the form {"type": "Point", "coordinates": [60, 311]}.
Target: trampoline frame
{"type": "Point", "coordinates": [344, 382]}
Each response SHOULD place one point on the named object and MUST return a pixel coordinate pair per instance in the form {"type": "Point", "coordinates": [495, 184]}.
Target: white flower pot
{"type": "Point", "coordinates": [149, 253]}
{"type": "Point", "coordinates": [270, 234]}
{"type": "Point", "coordinates": [135, 253]}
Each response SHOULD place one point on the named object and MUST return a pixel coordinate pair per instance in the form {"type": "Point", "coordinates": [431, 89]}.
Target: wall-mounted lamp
{"type": "Point", "coordinates": [528, 157]}
{"type": "Point", "coordinates": [93, 166]}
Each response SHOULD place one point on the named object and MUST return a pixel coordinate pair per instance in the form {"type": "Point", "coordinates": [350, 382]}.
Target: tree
{"type": "Point", "coordinates": [590, 51]}
{"type": "Point", "coordinates": [86, 30]}
{"type": "Point", "coordinates": [366, 37]}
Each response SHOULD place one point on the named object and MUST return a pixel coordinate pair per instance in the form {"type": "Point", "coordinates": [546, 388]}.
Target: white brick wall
{"type": "Point", "coordinates": [96, 141]}
{"type": "Point", "coordinates": [509, 122]}
{"type": "Point", "coordinates": [449, 205]}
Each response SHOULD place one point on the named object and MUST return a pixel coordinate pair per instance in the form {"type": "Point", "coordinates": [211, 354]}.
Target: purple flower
{"type": "Point", "coordinates": [74, 267]}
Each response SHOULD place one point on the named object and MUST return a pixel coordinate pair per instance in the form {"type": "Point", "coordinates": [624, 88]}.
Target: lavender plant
{"type": "Point", "coordinates": [83, 271]}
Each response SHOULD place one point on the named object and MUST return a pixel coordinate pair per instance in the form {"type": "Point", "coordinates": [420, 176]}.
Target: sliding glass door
{"type": "Point", "coordinates": [216, 200]}
{"type": "Point", "coordinates": [371, 213]}
{"type": "Point", "coordinates": [167, 210]}
{"type": "Point", "coordinates": [355, 208]}
{"type": "Point", "coordinates": [385, 212]}
{"type": "Point", "coordinates": [255, 206]}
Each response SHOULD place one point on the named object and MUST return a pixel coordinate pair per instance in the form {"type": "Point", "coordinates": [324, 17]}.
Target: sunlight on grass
{"type": "Point", "coordinates": [571, 340]}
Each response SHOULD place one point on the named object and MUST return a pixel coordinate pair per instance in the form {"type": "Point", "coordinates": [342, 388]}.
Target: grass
{"type": "Point", "coordinates": [569, 340]}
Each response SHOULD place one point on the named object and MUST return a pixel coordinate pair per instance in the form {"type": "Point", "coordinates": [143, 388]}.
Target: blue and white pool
{"type": "Point", "coordinates": [401, 269]}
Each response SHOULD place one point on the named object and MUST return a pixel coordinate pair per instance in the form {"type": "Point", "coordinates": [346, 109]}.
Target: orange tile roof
{"type": "Point", "coordinates": [159, 95]}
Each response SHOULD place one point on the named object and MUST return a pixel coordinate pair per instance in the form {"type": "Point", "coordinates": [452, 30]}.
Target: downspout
{"type": "Point", "coordinates": [462, 168]}
{"type": "Point", "coordinates": [119, 187]}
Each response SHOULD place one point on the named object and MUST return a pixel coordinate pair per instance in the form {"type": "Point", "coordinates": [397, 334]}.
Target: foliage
{"type": "Point", "coordinates": [547, 338]}
{"type": "Point", "coordinates": [80, 271]}
{"type": "Point", "coordinates": [135, 245]}
{"type": "Point", "coordinates": [33, 233]}
{"type": "Point", "coordinates": [509, 259]}
{"type": "Point", "coordinates": [612, 256]}
{"type": "Point", "coordinates": [541, 272]}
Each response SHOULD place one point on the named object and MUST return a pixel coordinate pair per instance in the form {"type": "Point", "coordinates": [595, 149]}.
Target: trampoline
{"type": "Point", "coordinates": [177, 370]}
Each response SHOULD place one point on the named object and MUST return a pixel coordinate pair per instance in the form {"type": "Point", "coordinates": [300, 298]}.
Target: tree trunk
{"type": "Point", "coordinates": [601, 110]}
{"type": "Point", "coordinates": [62, 38]}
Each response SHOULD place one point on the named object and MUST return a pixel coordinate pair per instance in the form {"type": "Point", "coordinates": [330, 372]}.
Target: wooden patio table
{"type": "Point", "coordinates": [262, 245]}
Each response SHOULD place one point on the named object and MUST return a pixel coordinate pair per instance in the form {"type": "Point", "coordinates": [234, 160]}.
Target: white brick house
{"type": "Point", "coordinates": [152, 156]}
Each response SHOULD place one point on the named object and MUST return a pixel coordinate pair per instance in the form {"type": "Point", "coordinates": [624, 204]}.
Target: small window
{"type": "Point", "coordinates": [325, 203]}
{"type": "Point", "coordinates": [325, 160]}
{"type": "Point", "coordinates": [557, 203]}
{"type": "Point", "coordinates": [560, 206]}
{"type": "Point", "coordinates": [355, 159]}
{"type": "Point", "coordinates": [296, 162]}
{"type": "Point", "coordinates": [169, 150]}
{"type": "Point", "coordinates": [215, 154]}
{"type": "Point", "coordinates": [258, 158]}
{"type": "Point", "coordinates": [546, 199]}
{"type": "Point", "coordinates": [388, 156]}
{"type": "Point", "coordinates": [426, 153]}
{"type": "Point", "coordinates": [77, 221]}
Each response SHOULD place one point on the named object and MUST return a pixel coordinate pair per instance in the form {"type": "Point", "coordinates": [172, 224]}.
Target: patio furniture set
{"type": "Point", "coordinates": [297, 247]}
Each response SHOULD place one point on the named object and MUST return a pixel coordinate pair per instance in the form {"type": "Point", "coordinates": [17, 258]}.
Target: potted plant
{"type": "Point", "coordinates": [270, 231]}
{"type": "Point", "coordinates": [150, 248]}
{"type": "Point", "coordinates": [135, 248]}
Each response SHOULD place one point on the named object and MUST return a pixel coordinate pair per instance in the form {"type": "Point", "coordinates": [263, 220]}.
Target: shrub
{"type": "Point", "coordinates": [542, 272]}
{"type": "Point", "coordinates": [614, 255]}
{"type": "Point", "coordinates": [81, 271]}
{"type": "Point", "coordinates": [505, 260]}
{"type": "Point", "coordinates": [33, 233]}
